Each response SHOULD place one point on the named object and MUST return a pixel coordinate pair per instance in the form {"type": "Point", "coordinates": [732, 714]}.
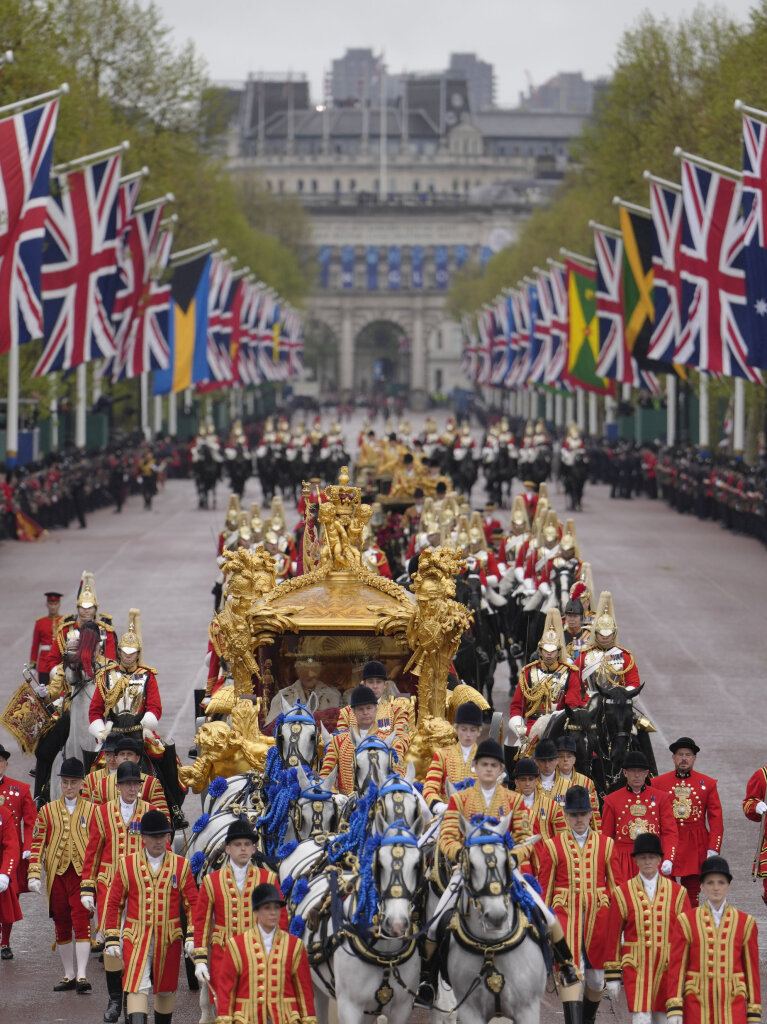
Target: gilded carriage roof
{"type": "Point", "coordinates": [352, 601]}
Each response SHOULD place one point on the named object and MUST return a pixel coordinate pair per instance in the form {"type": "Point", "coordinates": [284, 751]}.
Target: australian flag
{"type": "Point", "coordinates": [755, 241]}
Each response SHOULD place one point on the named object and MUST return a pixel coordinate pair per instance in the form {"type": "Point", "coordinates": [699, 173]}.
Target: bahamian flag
{"type": "Point", "coordinates": [187, 327]}
{"type": "Point", "coordinates": [583, 337]}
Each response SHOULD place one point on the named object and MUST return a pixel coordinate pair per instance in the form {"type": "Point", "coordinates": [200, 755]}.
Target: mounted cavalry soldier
{"type": "Point", "coordinates": [127, 700]}
{"type": "Point", "coordinates": [87, 611]}
{"type": "Point", "coordinates": [604, 663]}
{"type": "Point", "coordinates": [543, 683]}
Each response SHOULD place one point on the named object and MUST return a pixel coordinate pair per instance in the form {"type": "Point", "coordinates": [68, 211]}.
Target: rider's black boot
{"type": "Point", "coordinates": [590, 1007]}
{"type": "Point", "coordinates": [573, 1012]}
{"type": "Point", "coordinates": [429, 981]}
{"type": "Point", "coordinates": [563, 958]}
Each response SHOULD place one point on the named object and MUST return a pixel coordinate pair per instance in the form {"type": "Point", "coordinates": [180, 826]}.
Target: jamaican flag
{"type": "Point", "coordinates": [583, 341]}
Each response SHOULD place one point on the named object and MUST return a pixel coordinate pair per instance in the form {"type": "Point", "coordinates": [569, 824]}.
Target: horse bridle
{"type": "Point", "coordinates": [318, 797]}
{"type": "Point", "coordinates": [494, 884]}
{"type": "Point", "coordinates": [372, 745]}
{"type": "Point", "coordinates": [289, 749]}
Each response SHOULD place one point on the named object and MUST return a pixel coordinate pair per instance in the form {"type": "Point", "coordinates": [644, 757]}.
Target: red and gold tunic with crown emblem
{"type": "Point", "coordinates": [638, 940]}
{"type": "Point", "coordinates": [577, 883]}
{"type": "Point", "coordinates": [340, 753]}
{"type": "Point", "coordinates": [16, 800]}
{"type": "Point", "coordinates": [152, 924]}
{"type": "Point", "coordinates": [697, 810]}
{"type": "Point", "coordinates": [100, 787]}
{"type": "Point", "coordinates": [713, 975]}
{"type": "Point", "coordinates": [561, 785]}
{"type": "Point", "coordinates": [626, 815]}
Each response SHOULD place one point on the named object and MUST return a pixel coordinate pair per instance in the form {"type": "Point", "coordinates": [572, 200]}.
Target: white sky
{"type": "Point", "coordinates": [541, 37]}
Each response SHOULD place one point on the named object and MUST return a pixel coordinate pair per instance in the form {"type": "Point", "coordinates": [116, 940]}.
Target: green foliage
{"type": "Point", "coordinates": [674, 84]}
{"type": "Point", "coordinates": [127, 81]}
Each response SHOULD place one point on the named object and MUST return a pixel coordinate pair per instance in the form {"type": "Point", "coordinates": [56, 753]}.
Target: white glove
{"type": "Point", "coordinates": [189, 947]}
{"type": "Point", "coordinates": [711, 853]}
{"type": "Point", "coordinates": [88, 902]}
{"type": "Point", "coordinates": [149, 723]}
{"type": "Point", "coordinates": [26, 855]}
{"type": "Point", "coordinates": [438, 807]}
{"type": "Point", "coordinates": [4, 882]}
{"type": "Point", "coordinates": [99, 729]}
{"type": "Point", "coordinates": [202, 973]}
{"type": "Point", "coordinates": [34, 885]}
{"type": "Point", "coordinates": [113, 949]}
{"type": "Point", "coordinates": [761, 807]}
{"type": "Point", "coordinates": [666, 867]}
{"type": "Point", "coordinates": [613, 990]}
{"type": "Point", "coordinates": [517, 726]}
{"type": "Point", "coordinates": [41, 691]}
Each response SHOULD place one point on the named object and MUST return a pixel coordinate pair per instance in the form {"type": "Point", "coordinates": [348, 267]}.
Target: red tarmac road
{"type": "Point", "coordinates": [689, 599]}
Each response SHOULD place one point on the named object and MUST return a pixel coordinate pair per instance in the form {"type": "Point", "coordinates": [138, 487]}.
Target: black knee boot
{"type": "Point", "coordinates": [590, 1007]}
{"type": "Point", "coordinates": [137, 1018]}
{"type": "Point", "coordinates": [115, 991]}
{"type": "Point", "coordinates": [573, 1012]}
{"type": "Point", "coordinates": [563, 958]}
{"type": "Point", "coordinates": [162, 1018]}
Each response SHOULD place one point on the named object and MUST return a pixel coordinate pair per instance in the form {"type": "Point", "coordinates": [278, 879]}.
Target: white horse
{"type": "Point", "coordinates": [371, 965]}
{"type": "Point", "coordinates": [79, 739]}
{"type": "Point", "coordinates": [495, 966]}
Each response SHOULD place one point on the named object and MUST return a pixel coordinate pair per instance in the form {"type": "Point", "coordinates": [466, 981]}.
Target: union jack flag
{"type": "Point", "coordinates": [614, 360]}
{"type": "Point", "coordinates": [249, 350]}
{"type": "Point", "coordinates": [755, 253]}
{"type": "Point", "coordinates": [504, 355]}
{"type": "Point", "coordinates": [219, 324]}
{"type": "Point", "coordinates": [486, 329]}
{"type": "Point", "coordinates": [469, 362]}
{"type": "Point", "coordinates": [666, 209]}
{"type": "Point", "coordinates": [294, 342]}
{"type": "Point", "coordinates": [560, 327]}
{"type": "Point", "coordinates": [514, 321]}
{"type": "Point", "coordinates": [26, 146]}
{"type": "Point", "coordinates": [542, 328]}
{"type": "Point", "coordinates": [517, 377]}
{"type": "Point", "coordinates": [268, 322]}
{"type": "Point", "coordinates": [712, 270]}
{"type": "Point", "coordinates": [142, 305]}
{"type": "Point", "coordinates": [80, 268]}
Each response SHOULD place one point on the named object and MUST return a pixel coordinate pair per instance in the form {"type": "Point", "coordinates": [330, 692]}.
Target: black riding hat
{"type": "Point", "coordinates": [266, 893]}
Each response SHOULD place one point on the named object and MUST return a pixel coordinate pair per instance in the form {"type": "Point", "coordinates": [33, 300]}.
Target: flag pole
{"type": "Point", "coordinates": [741, 107]}
{"type": "Point", "coordinates": [671, 409]}
{"type": "Point", "coordinates": [383, 127]}
{"type": "Point", "coordinates": [152, 204]}
{"type": "Point", "coordinates": [703, 415]}
{"type": "Point", "coordinates": [739, 417]}
{"type": "Point", "coordinates": [644, 211]}
{"type": "Point", "coordinates": [709, 165]}
{"type": "Point", "coordinates": [81, 380]}
{"type": "Point", "coordinates": [12, 417]}
{"type": "Point", "coordinates": [136, 176]}
{"type": "Point", "coordinates": [92, 158]}
{"type": "Point", "coordinates": [33, 101]}
{"type": "Point", "coordinates": [587, 260]}
{"type": "Point", "coordinates": [596, 226]}
{"type": "Point", "coordinates": [673, 185]}
{"type": "Point", "coordinates": [195, 250]}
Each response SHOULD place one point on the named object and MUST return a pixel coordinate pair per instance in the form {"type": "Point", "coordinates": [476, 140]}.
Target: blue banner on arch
{"type": "Point", "coordinates": [394, 276]}
{"type": "Point", "coordinates": [440, 266]}
{"type": "Point", "coordinates": [416, 266]}
{"type": "Point", "coordinates": [347, 266]}
{"type": "Point", "coordinates": [324, 261]}
{"type": "Point", "coordinates": [371, 267]}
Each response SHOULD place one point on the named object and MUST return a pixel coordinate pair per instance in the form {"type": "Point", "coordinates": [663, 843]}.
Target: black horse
{"type": "Point", "coordinates": [477, 653]}
{"type": "Point", "coordinates": [574, 477]}
{"type": "Point", "coordinates": [206, 470]}
{"type": "Point", "coordinates": [604, 733]}
{"type": "Point", "coordinates": [239, 467]}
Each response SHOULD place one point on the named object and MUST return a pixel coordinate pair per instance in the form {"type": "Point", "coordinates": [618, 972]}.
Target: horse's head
{"type": "Point", "coordinates": [374, 759]}
{"type": "Point", "coordinates": [616, 712]}
{"type": "Point", "coordinates": [297, 735]}
{"type": "Point", "coordinates": [398, 871]}
{"type": "Point", "coordinates": [486, 864]}
{"type": "Point", "coordinates": [399, 800]}
{"type": "Point", "coordinates": [316, 810]}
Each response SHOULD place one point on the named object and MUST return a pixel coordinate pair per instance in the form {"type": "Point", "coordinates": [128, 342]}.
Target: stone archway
{"type": "Point", "coordinates": [321, 353]}
{"type": "Point", "coordinates": [382, 359]}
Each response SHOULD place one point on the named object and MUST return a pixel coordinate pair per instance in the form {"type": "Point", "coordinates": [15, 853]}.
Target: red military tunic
{"type": "Point", "coordinates": [152, 904]}
{"type": "Point", "coordinates": [110, 841]}
{"type": "Point", "coordinates": [756, 791]}
{"type": "Point", "coordinates": [577, 884]}
{"type": "Point", "coordinates": [698, 813]}
{"type": "Point", "coordinates": [10, 854]}
{"type": "Point", "coordinates": [16, 799]}
{"type": "Point", "coordinates": [626, 814]}
{"type": "Point", "coordinates": [540, 690]}
{"type": "Point", "coordinates": [260, 988]}
{"type": "Point", "coordinates": [140, 694]}
{"type": "Point", "coordinates": [106, 629]}
{"type": "Point", "coordinates": [643, 952]}
{"type": "Point", "coordinates": [101, 788]}
{"type": "Point", "coordinates": [447, 763]}
{"type": "Point", "coordinates": [713, 975]}
{"type": "Point", "coordinates": [561, 785]}
{"type": "Point", "coordinates": [546, 817]}
{"type": "Point", "coordinates": [223, 911]}
{"type": "Point", "coordinates": [613, 667]}
{"type": "Point", "coordinates": [45, 652]}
